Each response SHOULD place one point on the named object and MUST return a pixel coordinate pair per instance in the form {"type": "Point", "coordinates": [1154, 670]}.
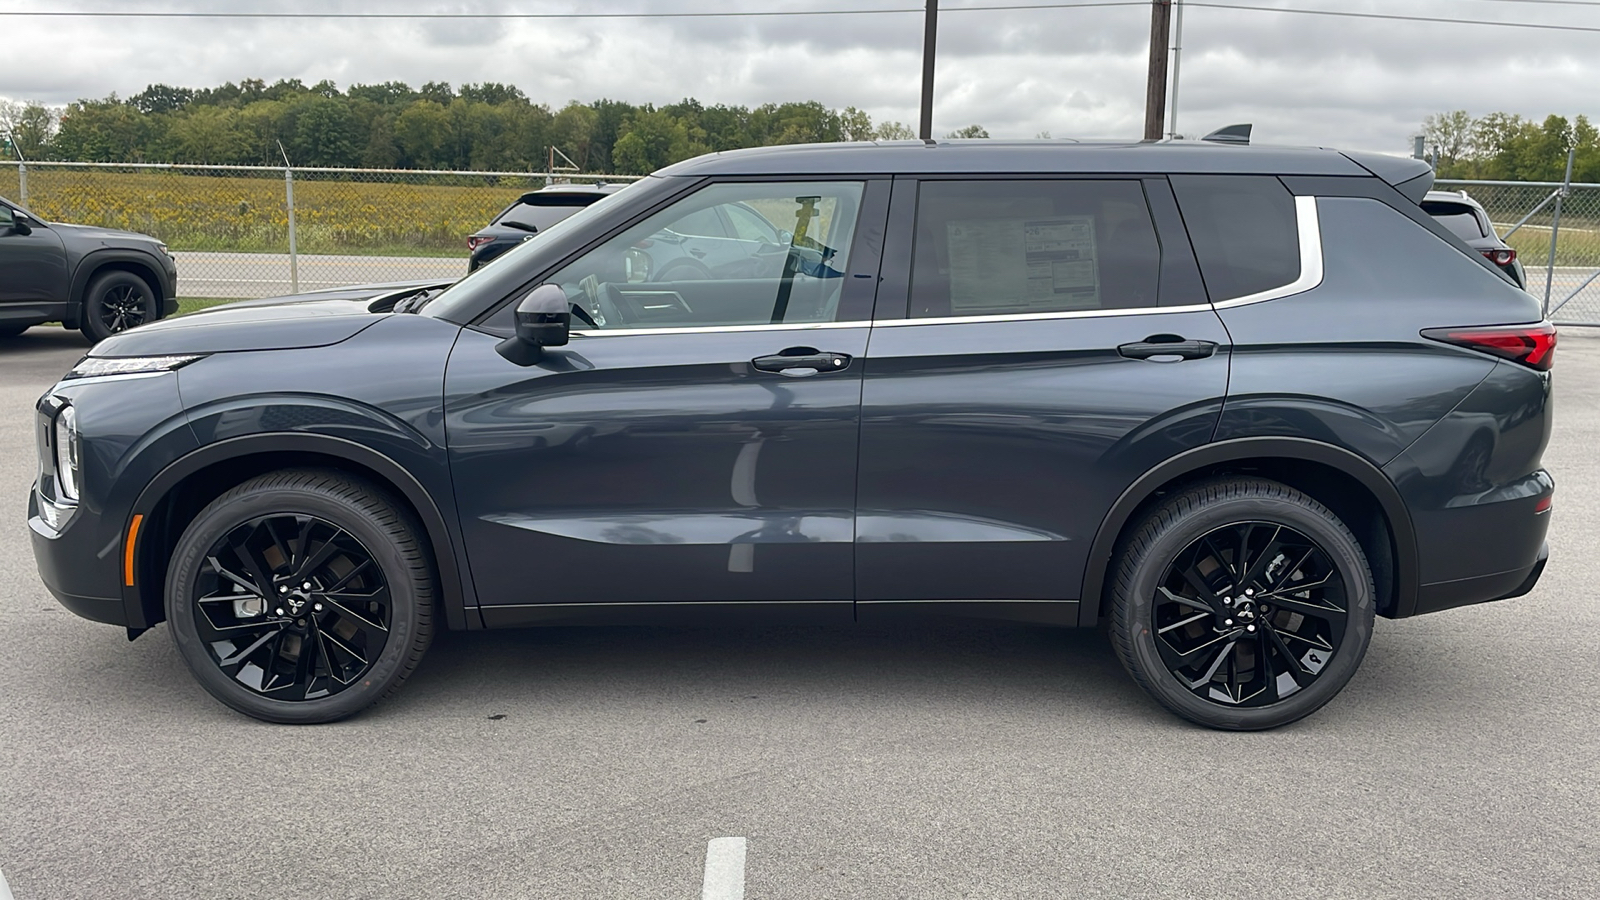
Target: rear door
{"type": "Point", "coordinates": [1045, 342]}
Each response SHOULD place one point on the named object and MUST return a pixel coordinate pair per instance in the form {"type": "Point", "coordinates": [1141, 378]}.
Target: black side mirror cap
{"type": "Point", "coordinates": [543, 319]}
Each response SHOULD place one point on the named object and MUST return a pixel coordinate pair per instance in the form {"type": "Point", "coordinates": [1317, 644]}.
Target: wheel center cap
{"type": "Point", "coordinates": [1245, 612]}
{"type": "Point", "coordinates": [296, 602]}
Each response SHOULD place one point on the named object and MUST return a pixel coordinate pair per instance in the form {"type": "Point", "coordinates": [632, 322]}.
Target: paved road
{"type": "Point", "coordinates": [963, 760]}
{"type": "Point", "coordinates": [245, 275]}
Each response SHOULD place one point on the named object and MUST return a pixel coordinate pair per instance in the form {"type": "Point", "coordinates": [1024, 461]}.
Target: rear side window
{"type": "Point", "coordinates": [1032, 246]}
{"type": "Point", "coordinates": [1244, 232]}
{"type": "Point", "coordinates": [1461, 219]}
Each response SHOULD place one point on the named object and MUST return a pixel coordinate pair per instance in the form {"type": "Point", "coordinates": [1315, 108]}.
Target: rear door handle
{"type": "Point", "coordinates": [1172, 346]}
{"type": "Point", "coordinates": [799, 362]}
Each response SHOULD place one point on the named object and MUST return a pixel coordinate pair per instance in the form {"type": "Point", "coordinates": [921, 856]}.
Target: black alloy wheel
{"type": "Point", "coordinates": [115, 302]}
{"type": "Point", "coordinates": [1249, 614]}
{"type": "Point", "coordinates": [292, 607]}
{"type": "Point", "coordinates": [301, 596]}
{"type": "Point", "coordinates": [1242, 604]}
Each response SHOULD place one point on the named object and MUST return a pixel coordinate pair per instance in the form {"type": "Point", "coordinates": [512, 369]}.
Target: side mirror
{"type": "Point", "coordinates": [543, 319]}
{"type": "Point", "coordinates": [13, 221]}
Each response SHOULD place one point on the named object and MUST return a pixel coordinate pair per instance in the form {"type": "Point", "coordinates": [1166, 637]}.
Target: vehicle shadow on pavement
{"type": "Point", "coordinates": [941, 661]}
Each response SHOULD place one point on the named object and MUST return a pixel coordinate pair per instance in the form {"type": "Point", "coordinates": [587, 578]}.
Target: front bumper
{"type": "Point", "coordinates": [72, 569]}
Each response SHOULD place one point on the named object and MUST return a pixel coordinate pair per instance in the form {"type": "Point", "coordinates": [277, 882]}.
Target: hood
{"type": "Point", "coordinates": [94, 232]}
{"type": "Point", "coordinates": [360, 292]}
{"type": "Point", "coordinates": [276, 327]}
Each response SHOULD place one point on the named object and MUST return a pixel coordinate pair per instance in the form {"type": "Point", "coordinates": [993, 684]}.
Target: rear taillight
{"type": "Point", "coordinates": [478, 240]}
{"type": "Point", "coordinates": [1532, 345]}
{"type": "Point", "coordinates": [1500, 257]}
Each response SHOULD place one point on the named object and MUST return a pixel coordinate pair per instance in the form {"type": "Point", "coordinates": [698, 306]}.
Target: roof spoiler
{"type": "Point", "coordinates": [1411, 177]}
{"type": "Point", "coordinates": [1230, 134]}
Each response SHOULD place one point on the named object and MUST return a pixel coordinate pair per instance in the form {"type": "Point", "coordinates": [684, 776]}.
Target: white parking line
{"type": "Point", "coordinates": [724, 870]}
{"type": "Point", "coordinates": [5, 890]}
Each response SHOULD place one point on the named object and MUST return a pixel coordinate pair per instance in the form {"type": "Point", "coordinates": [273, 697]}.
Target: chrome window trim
{"type": "Point", "coordinates": [721, 329]}
{"type": "Point", "coordinates": [1311, 272]}
{"type": "Point", "coordinates": [1307, 225]}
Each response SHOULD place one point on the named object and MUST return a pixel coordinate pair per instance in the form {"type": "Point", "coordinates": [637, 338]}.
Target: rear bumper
{"type": "Point", "coordinates": [1484, 588]}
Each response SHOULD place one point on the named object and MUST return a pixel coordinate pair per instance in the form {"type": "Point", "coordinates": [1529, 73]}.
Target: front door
{"type": "Point", "coordinates": [696, 441]}
{"type": "Point", "coordinates": [1055, 345]}
{"type": "Point", "coordinates": [34, 263]}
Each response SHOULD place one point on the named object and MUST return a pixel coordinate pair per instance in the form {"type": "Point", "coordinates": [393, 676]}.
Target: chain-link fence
{"type": "Point", "coordinates": [256, 231]}
{"type": "Point", "coordinates": [1555, 230]}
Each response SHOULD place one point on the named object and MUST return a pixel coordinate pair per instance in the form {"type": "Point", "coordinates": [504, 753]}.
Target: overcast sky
{"type": "Point", "coordinates": [1072, 72]}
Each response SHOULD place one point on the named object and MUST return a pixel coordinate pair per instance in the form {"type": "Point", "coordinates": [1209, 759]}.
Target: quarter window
{"type": "Point", "coordinates": [784, 263]}
{"type": "Point", "coordinates": [1243, 229]}
{"type": "Point", "coordinates": [1032, 246]}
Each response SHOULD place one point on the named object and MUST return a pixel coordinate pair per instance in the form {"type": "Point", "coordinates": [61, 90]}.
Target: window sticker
{"type": "Point", "coordinates": [1001, 265]}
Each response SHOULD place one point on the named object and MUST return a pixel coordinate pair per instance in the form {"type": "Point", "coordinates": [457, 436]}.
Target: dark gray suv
{"type": "Point", "coordinates": [1231, 402]}
{"type": "Point", "coordinates": [100, 280]}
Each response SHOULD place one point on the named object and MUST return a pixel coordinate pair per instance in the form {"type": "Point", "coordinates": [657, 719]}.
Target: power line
{"type": "Point", "coordinates": [745, 14]}
{"type": "Point", "coordinates": [1366, 15]}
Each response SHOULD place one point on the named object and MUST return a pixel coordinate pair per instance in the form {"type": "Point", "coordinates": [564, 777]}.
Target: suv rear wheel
{"type": "Point", "coordinates": [1242, 604]}
{"type": "Point", "coordinates": [116, 301]}
{"type": "Point", "coordinates": [301, 596]}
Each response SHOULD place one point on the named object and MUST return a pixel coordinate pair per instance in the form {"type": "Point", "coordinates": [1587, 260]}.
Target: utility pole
{"type": "Point", "coordinates": [1177, 59]}
{"type": "Point", "coordinates": [930, 33]}
{"type": "Point", "coordinates": [1155, 101]}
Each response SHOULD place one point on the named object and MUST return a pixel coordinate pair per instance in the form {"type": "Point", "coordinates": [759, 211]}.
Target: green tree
{"type": "Point", "coordinates": [424, 136]}
{"type": "Point", "coordinates": [971, 131]}
{"type": "Point", "coordinates": [895, 131]}
{"type": "Point", "coordinates": [856, 125]}
{"type": "Point", "coordinates": [325, 133]}
{"type": "Point", "coordinates": [102, 131]}
{"type": "Point", "coordinates": [160, 98]}
{"type": "Point", "coordinates": [1451, 135]}
{"type": "Point", "coordinates": [210, 134]}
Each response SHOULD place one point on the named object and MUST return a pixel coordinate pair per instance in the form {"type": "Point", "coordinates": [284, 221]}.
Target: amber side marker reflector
{"type": "Point", "coordinates": [127, 549]}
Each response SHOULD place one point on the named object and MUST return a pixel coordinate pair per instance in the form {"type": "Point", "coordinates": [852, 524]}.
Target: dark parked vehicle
{"type": "Point", "coordinates": [532, 213]}
{"type": "Point", "coordinates": [1232, 401]}
{"type": "Point", "coordinates": [1469, 221]}
{"type": "Point", "coordinates": [98, 279]}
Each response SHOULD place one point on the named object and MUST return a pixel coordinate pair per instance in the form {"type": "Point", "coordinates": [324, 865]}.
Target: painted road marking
{"type": "Point", "coordinates": [5, 890]}
{"type": "Point", "coordinates": [724, 870]}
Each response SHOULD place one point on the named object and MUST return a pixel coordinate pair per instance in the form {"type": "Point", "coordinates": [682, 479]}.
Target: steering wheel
{"type": "Point", "coordinates": [597, 298]}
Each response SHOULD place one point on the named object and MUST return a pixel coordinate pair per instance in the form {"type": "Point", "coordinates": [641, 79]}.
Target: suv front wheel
{"type": "Point", "coordinates": [1241, 604]}
{"type": "Point", "coordinates": [116, 301]}
{"type": "Point", "coordinates": [301, 596]}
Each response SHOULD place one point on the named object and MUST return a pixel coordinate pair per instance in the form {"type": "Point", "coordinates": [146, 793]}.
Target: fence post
{"type": "Point", "coordinates": [294, 260]}
{"type": "Point", "coordinates": [1555, 228]}
{"type": "Point", "coordinates": [22, 183]}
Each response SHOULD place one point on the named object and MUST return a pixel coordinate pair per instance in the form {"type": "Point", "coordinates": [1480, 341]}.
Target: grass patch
{"type": "Point", "coordinates": [187, 305]}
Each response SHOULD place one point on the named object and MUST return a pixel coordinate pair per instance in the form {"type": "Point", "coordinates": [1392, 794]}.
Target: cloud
{"type": "Point", "coordinates": [1351, 83]}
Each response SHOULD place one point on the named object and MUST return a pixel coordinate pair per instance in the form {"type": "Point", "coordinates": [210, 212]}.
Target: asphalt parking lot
{"type": "Point", "coordinates": [929, 761]}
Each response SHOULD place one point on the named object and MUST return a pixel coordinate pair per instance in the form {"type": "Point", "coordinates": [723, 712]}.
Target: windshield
{"type": "Point", "coordinates": [1458, 217]}
{"type": "Point", "coordinates": [488, 284]}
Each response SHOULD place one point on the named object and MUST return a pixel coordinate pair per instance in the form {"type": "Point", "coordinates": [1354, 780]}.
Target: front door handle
{"type": "Point", "coordinates": [1167, 345]}
{"type": "Point", "coordinates": [799, 362]}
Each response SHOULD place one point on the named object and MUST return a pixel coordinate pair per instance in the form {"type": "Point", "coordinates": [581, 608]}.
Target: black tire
{"type": "Point", "coordinates": [11, 331]}
{"type": "Point", "coordinates": [116, 301]}
{"type": "Point", "coordinates": [1191, 541]}
{"type": "Point", "coordinates": [349, 608]}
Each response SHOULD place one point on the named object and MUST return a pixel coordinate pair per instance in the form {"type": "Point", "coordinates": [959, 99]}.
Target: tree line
{"type": "Point", "coordinates": [486, 126]}
{"type": "Point", "coordinates": [1504, 147]}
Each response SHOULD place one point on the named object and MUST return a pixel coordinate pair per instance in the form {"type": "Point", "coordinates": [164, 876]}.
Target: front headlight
{"type": "Point", "coordinates": [94, 366]}
{"type": "Point", "coordinates": [164, 251]}
{"type": "Point", "coordinates": [67, 453]}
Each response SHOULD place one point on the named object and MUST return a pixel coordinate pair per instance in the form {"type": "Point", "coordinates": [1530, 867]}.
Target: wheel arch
{"type": "Point", "coordinates": [1353, 488]}
{"type": "Point", "coordinates": [113, 260]}
{"type": "Point", "coordinates": [172, 499]}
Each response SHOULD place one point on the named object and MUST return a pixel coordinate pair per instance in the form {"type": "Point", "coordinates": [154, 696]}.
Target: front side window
{"type": "Point", "coordinates": [1032, 246]}
{"type": "Point", "coordinates": [682, 268]}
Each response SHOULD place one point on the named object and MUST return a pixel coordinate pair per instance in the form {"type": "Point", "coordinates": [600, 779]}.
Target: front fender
{"type": "Point", "coordinates": [92, 262]}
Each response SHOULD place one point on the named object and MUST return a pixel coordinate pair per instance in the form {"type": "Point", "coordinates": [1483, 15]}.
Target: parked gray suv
{"type": "Point", "coordinates": [100, 280]}
{"type": "Point", "coordinates": [1232, 402]}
